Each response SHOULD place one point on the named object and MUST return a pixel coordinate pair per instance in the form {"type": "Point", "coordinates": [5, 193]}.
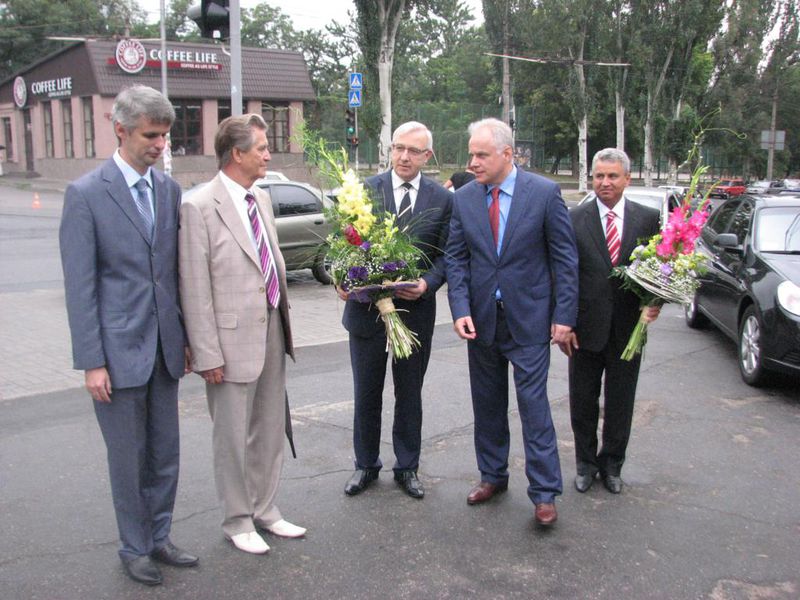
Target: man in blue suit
{"type": "Point", "coordinates": [119, 251]}
{"type": "Point", "coordinates": [512, 276]}
{"type": "Point", "coordinates": [423, 209]}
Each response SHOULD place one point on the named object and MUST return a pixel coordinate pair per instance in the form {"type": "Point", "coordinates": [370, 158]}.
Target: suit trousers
{"type": "Point", "coordinates": [586, 371]}
{"type": "Point", "coordinates": [488, 376]}
{"type": "Point", "coordinates": [368, 358]}
{"type": "Point", "coordinates": [140, 429]}
{"type": "Point", "coordinates": [249, 422]}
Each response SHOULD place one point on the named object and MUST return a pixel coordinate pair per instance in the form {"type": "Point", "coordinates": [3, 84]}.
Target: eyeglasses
{"type": "Point", "coordinates": [399, 149]}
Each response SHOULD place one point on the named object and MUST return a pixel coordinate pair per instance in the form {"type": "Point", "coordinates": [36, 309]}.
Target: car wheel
{"type": "Point", "coordinates": [692, 315]}
{"type": "Point", "coordinates": [322, 268]}
{"type": "Point", "coordinates": [750, 358]}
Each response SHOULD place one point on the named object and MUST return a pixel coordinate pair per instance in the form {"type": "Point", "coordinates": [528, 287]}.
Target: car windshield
{"type": "Point", "coordinates": [778, 229]}
{"type": "Point", "coordinates": [646, 199]}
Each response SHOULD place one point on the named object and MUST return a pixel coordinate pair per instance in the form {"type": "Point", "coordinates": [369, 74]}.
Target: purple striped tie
{"type": "Point", "coordinates": [267, 262]}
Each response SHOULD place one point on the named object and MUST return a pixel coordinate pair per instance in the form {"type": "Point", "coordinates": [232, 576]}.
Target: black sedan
{"type": "Point", "coordinates": [751, 291]}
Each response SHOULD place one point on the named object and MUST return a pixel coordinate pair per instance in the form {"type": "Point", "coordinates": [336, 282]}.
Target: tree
{"type": "Point", "coordinates": [378, 22]}
{"type": "Point", "coordinates": [25, 26]}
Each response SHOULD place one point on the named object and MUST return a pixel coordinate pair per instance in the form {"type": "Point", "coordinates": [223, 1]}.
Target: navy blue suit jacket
{"type": "Point", "coordinates": [536, 269]}
{"type": "Point", "coordinates": [429, 229]}
{"type": "Point", "coordinates": [121, 289]}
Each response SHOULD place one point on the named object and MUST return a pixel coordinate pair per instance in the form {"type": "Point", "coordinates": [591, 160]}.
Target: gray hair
{"type": "Point", "coordinates": [414, 126]}
{"type": "Point", "coordinates": [141, 101]}
{"type": "Point", "coordinates": [613, 155]}
{"type": "Point", "coordinates": [236, 132]}
{"type": "Point", "coordinates": [501, 132]}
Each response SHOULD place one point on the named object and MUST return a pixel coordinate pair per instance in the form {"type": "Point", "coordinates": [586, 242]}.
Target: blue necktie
{"type": "Point", "coordinates": [143, 206]}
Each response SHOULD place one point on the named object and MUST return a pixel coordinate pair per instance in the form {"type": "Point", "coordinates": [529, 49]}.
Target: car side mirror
{"type": "Point", "coordinates": [728, 241]}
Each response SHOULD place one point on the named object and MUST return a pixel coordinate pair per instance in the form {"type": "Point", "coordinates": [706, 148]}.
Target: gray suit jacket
{"type": "Point", "coordinates": [222, 286]}
{"type": "Point", "coordinates": [121, 290]}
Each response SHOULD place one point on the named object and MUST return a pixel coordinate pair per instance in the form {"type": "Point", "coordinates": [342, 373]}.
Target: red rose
{"type": "Point", "coordinates": [351, 235]}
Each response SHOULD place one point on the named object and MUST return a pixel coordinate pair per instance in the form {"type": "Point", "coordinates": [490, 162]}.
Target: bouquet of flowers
{"type": "Point", "coordinates": [665, 268]}
{"type": "Point", "coordinates": [371, 257]}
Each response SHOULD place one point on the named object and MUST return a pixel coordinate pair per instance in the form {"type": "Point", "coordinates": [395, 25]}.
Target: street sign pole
{"type": "Point", "coordinates": [354, 102]}
{"type": "Point", "coordinates": [236, 58]}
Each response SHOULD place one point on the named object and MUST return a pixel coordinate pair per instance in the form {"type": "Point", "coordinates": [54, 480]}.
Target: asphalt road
{"type": "Point", "coordinates": [710, 507]}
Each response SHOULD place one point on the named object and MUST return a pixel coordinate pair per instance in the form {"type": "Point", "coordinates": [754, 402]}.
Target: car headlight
{"type": "Point", "coordinates": [789, 297]}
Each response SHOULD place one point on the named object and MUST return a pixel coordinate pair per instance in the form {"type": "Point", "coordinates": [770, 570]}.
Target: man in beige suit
{"type": "Point", "coordinates": [236, 311]}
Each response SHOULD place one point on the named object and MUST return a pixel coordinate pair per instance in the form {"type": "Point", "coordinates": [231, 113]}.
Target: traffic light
{"type": "Point", "coordinates": [212, 17]}
{"type": "Point", "coordinates": [350, 127]}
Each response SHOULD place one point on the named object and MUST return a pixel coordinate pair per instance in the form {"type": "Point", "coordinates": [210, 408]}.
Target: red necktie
{"type": "Point", "coordinates": [612, 238]}
{"type": "Point", "coordinates": [494, 213]}
{"type": "Point", "coordinates": [267, 262]}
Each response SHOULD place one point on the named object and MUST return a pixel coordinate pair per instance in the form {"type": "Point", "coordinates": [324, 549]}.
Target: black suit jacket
{"type": "Point", "coordinates": [429, 228]}
{"type": "Point", "coordinates": [604, 309]}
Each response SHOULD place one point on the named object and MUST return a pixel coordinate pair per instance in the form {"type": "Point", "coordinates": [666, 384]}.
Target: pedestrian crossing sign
{"type": "Point", "coordinates": [356, 81]}
{"type": "Point", "coordinates": [354, 98]}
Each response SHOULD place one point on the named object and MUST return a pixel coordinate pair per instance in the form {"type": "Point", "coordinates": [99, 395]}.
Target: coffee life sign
{"type": "Point", "coordinates": [52, 88]}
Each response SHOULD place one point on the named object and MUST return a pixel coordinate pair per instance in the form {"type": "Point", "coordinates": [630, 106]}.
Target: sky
{"type": "Point", "coordinates": [305, 14]}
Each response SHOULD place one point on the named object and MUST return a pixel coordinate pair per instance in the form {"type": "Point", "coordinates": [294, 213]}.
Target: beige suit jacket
{"type": "Point", "coordinates": [222, 287]}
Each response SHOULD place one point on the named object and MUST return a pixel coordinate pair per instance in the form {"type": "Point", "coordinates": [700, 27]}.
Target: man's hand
{"type": "Point", "coordinates": [650, 314]}
{"type": "Point", "coordinates": [212, 376]}
{"type": "Point", "coordinates": [341, 293]}
{"type": "Point", "coordinates": [464, 328]}
{"type": "Point", "coordinates": [187, 360]}
{"type": "Point", "coordinates": [570, 345]}
{"type": "Point", "coordinates": [560, 334]}
{"type": "Point", "coordinates": [413, 293]}
{"type": "Point", "coordinates": [98, 382]}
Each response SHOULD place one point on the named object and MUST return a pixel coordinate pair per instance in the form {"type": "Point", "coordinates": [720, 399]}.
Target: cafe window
{"type": "Point", "coordinates": [224, 109]}
{"type": "Point", "coordinates": [66, 114]}
{"type": "Point", "coordinates": [187, 130]}
{"type": "Point", "coordinates": [47, 112]}
{"type": "Point", "coordinates": [277, 117]}
{"type": "Point", "coordinates": [9, 139]}
{"type": "Point", "coordinates": [88, 127]}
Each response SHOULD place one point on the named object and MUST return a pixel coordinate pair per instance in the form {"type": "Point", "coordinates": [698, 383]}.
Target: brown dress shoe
{"type": "Point", "coordinates": [485, 491]}
{"type": "Point", "coordinates": [545, 514]}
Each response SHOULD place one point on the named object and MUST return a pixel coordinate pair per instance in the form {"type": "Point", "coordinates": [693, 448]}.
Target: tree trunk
{"type": "Point", "coordinates": [390, 13]}
{"type": "Point", "coordinates": [506, 71]}
{"type": "Point", "coordinates": [583, 128]}
{"type": "Point", "coordinates": [620, 113]}
{"type": "Point", "coordinates": [653, 93]}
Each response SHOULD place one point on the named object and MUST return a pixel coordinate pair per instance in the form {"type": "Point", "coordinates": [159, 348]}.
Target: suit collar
{"type": "Point", "coordinates": [230, 217]}
{"type": "Point", "coordinates": [120, 193]}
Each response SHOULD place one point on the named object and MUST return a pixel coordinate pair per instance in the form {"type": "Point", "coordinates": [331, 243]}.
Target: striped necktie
{"type": "Point", "coordinates": [404, 214]}
{"type": "Point", "coordinates": [267, 262]}
{"type": "Point", "coordinates": [612, 238]}
{"type": "Point", "coordinates": [143, 206]}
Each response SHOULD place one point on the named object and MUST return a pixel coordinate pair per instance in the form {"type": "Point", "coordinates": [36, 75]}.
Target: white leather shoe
{"type": "Point", "coordinates": [250, 542]}
{"type": "Point", "coordinates": [285, 529]}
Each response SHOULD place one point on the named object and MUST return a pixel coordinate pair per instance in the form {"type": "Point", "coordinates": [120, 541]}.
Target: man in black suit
{"type": "Point", "coordinates": [607, 231]}
{"type": "Point", "coordinates": [423, 206]}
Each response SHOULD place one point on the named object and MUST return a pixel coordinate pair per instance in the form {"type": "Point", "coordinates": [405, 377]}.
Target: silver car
{"type": "Point", "coordinates": [300, 221]}
{"type": "Point", "coordinates": [663, 199]}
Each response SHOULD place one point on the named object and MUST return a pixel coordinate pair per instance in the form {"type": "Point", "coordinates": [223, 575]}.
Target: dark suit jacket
{"type": "Point", "coordinates": [536, 270]}
{"type": "Point", "coordinates": [604, 309]}
{"type": "Point", "coordinates": [429, 228]}
{"type": "Point", "coordinates": [121, 290]}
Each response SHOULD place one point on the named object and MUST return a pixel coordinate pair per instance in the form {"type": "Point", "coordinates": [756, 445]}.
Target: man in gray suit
{"type": "Point", "coordinates": [119, 242]}
{"type": "Point", "coordinates": [235, 302]}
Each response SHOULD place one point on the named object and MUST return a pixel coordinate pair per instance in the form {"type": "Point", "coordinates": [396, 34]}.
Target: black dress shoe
{"type": "Point", "coordinates": [613, 483]}
{"type": "Point", "coordinates": [583, 482]}
{"type": "Point", "coordinates": [143, 570]}
{"type": "Point", "coordinates": [171, 555]}
{"type": "Point", "coordinates": [409, 481]}
{"type": "Point", "coordinates": [360, 480]}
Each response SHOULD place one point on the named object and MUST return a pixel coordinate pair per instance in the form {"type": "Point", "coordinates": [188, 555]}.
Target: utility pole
{"type": "Point", "coordinates": [771, 148]}
{"type": "Point", "coordinates": [168, 150]}
{"type": "Point", "coordinates": [236, 58]}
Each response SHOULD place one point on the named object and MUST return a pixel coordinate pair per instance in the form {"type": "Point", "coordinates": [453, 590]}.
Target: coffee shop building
{"type": "Point", "coordinates": [55, 115]}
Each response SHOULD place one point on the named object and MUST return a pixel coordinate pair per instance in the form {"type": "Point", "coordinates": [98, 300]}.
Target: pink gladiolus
{"type": "Point", "coordinates": [351, 235]}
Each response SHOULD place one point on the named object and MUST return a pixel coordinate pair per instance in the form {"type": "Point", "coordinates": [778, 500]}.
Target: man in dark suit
{"type": "Point", "coordinates": [119, 250]}
{"type": "Point", "coordinates": [423, 208]}
{"type": "Point", "coordinates": [607, 231]}
{"type": "Point", "coordinates": [512, 276]}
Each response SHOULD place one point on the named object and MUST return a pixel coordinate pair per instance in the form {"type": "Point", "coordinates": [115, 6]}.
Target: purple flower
{"type": "Point", "coordinates": [365, 246]}
{"type": "Point", "coordinates": [390, 267]}
{"type": "Point", "coordinates": [357, 273]}
{"type": "Point", "coordinates": [666, 269]}
{"type": "Point", "coordinates": [401, 264]}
